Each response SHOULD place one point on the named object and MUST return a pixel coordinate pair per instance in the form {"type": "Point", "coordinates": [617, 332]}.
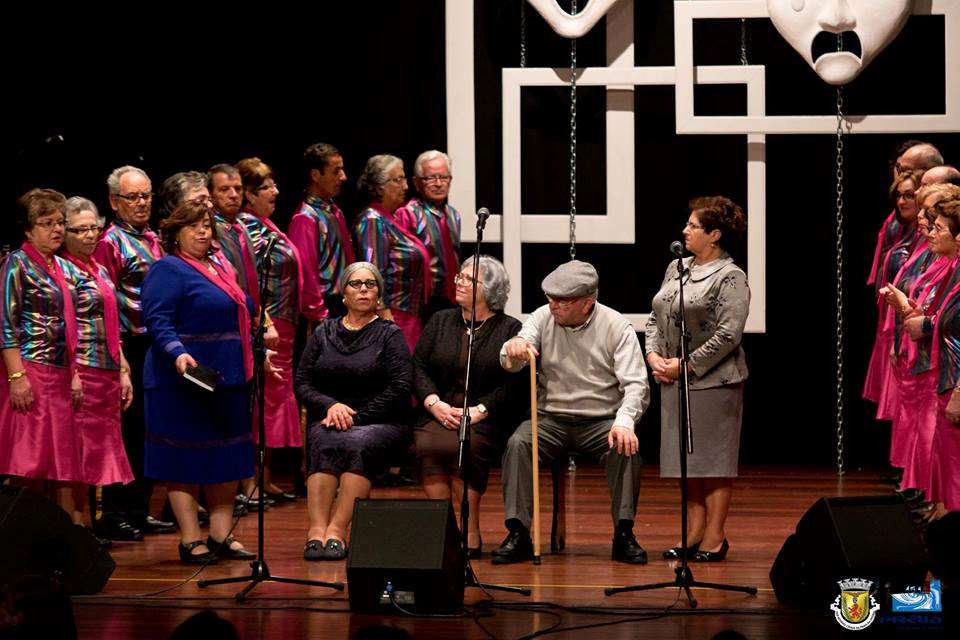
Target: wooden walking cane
{"type": "Point", "coordinates": [536, 457]}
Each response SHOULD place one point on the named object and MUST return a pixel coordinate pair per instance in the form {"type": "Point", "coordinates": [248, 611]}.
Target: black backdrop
{"type": "Point", "coordinates": [173, 87]}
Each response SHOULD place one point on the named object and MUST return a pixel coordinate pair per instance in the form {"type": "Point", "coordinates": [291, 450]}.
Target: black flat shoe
{"type": "Point", "coordinates": [281, 496]}
{"type": "Point", "coordinates": [335, 550]}
{"type": "Point", "coordinates": [712, 556]}
{"type": "Point", "coordinates": [313, 550]}
{"type": "Point", "coordinates": [676, 552]}
{"type": "Point", "coordinates": [117, 530]}
{"type": "Point", "coordinates": [516, 547]}
{"type": "Point", "coordinates": [225, 551]}
{"type": "Point", "coordinates": [627, 549]}
{"type": "Point", "coordinates": [187, 557]}
{"type": "Point", "coordinates": [151, 525]}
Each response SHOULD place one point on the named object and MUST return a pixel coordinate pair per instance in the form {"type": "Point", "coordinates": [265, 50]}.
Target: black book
{"type": "Point", "coordinates": [204, 377]}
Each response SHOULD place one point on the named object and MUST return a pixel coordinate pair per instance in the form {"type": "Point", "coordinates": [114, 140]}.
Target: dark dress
{"type": "Point", "coordinates": [440, 367]}
{"type": "Point", "coordinates": [194, 436]}
{"type": "Point", "coordinates": [369, 371]}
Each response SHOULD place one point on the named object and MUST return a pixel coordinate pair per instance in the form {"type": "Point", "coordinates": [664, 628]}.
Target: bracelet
{"type": "Point", "coordinates": [124, 370]}
{"type": "Point", "coordinates": [16, 375]}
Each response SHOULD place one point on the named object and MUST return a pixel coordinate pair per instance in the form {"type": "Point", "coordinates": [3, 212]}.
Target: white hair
{"type": "Point", "coordinates": [76, 204]}
{"type": "Point", "coordinates": [113, 180]}
{"type": "Point", "coordinates": [426, 157]}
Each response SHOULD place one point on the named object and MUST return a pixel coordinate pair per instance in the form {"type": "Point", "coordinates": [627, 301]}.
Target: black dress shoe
{"type": "Point", "coordinates": [516, 547]}
{"type": "Point", "coordinates": [676, 552]}
{"type": "Point", "coordinates": [117, 530]}
{"type": "Point", "coordinates": [712, 556]}
{"type": "Point", "coordinates": [224, 550]}
{"type": "Point", "coordinates": [151, 525]}
{"type": "Point", "coordinates": [186, 555]}
{"type": "Point", "coordinates": [627, 549]}
{"type": "Point", "coordinates": [280, 497]}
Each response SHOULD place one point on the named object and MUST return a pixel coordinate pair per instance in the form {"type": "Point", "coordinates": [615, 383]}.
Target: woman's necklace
{"type": "Point", "coordinates": [353, 327]}
{"type": "Point", "coordinates": [477, 327]}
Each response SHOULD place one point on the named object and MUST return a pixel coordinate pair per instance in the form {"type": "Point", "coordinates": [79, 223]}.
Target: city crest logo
{"type": "Point", "coordinates": [855, 608]}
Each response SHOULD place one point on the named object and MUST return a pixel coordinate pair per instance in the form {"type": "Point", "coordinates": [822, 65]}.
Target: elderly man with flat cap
{"type": "Point", "coordinates": [592, 390]}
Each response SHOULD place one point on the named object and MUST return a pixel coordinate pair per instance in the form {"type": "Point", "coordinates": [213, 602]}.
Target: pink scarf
{"type": "Point", "coordinates": [111, 315]}
{"type": "Point", "coordinates": [296, 254]}
{"type": "Point", "coordinates": [938, 273]}
{"type": "Point", "coordinates": [878, 252]}
{"type": "Point", "coordinates": [226, 281]}
{"type": "Point", "coordinates": [69, 313]}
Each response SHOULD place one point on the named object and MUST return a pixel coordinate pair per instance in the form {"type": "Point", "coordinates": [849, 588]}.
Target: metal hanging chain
{"type": "Point", "coordinates": [523, 33]}
{"type": "Point", "coordinates": [573, 141]}
{"type": "Point", "coordinates": [839, 276]}
{"type": "Point", "coordinates": [743, 41]}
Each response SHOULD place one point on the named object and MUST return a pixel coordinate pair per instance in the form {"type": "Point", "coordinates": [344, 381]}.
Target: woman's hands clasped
{"type": "Point", "coordinates": [339, 417]}
{"type": "Point", "coordinates": [665, 370]}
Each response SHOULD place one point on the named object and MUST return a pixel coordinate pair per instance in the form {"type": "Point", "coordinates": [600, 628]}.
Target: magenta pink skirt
{"type": "Point", "coordinates": [945, 460]}
{"type": "Point", "coordinates": [881, 384]}
{"type": "Point", "coordinates": [98, 424]}
{"type": "Point", "coordinates": [918, 407]}
{"type": "Point", "coordinates": [904, 422]}
{"type": "Point", "coordinates": [281, 415]}
{"type": "Point", "coordinates": [43, 442]}
{"type": "Point", "coordinates": [409, 324]}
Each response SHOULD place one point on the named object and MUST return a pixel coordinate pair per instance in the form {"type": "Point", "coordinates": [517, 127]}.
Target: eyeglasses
{"type": "Point", "coordinates": [135, 197]}
{"type": "Point", "coordinates": [437, 178]}
{"type": "Point", "coordinates": [463, 279]}
{"type": "Point", "coordinates": [693, 225]}
{"type": "Point", "coordinates": [938, 228]}
{"type": "Point", "coordinates": [82, 230]}
{"type": "Point", "coordinates": [907, 195]}
{"type": "Point", "coordinates": [267, 187]}
{"type": "Point", "coordinates": [561, 303]}
{"type": "Point", "coordinates": [49, 224]}
{"type": "Point", "coordinates": [201, 200]}
{"type": "Point", "coordinates": [398, 180]}
{"type": "Point", "coordinates": [369, 284]}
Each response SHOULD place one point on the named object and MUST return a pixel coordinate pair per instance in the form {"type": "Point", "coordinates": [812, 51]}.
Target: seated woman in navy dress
{"type": "Point", "coordinates": [196, 313]}
{"type": "Point", "coordinates": [355, 379]}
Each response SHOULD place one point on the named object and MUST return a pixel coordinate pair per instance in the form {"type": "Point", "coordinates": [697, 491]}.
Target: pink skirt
{"type": "Point", "coordinates": [945, 460]}
{"type": "Point", "coordinates": [409, 324]}
{"type": "Point", "coordinates": [43, 442]}
{"type": "Point", "coordinates": [281, 414]}
{"type": "Point", "coordinates": [904, 422]}
{"type": "Point", "coordinates": [102, 454]}
{"type": "Point", "coordinates": [918, 407]}
{"type": "Point", "coordinates": [881, 382]}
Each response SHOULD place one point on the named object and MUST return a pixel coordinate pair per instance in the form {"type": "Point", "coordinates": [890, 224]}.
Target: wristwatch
{"type": "Point", "coordinates": [482, 409]}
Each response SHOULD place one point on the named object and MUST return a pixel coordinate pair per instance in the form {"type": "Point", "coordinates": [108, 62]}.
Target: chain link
{"type": "Point", "coordinates": [573, 141]}
{"type": "Point", "coordinates": [523, 33]}
{"type": "Point", "coordinates": [839, 276]}
{"type": "Point", "coordinates": [743, 41]}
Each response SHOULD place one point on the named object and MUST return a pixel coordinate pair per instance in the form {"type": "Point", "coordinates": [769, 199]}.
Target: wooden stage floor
{"type": "Point", "coordinates": [766, 506]}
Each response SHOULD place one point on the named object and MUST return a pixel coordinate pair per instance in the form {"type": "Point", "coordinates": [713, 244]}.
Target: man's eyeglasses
{"type": "Point", "coordinates": [49, 224]}
{"type": "Point", "coordinates": [83, 230]}
{"type": "Point", "coordinates": [463, 279]}
{"type": "Point", "coordinates": [437, 178]}
{"type": "Point", "coordinates": [369, 284]}
{"type": "Point", "coordinates": [135, 197]}
{"type": "Point", "coordinates": [561, 303]}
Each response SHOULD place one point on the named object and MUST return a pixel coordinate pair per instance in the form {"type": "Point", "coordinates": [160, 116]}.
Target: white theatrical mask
{"type": "Point", "coordinates": [874, 22]}
{"type": "Point", "coordinates": [572, 26]}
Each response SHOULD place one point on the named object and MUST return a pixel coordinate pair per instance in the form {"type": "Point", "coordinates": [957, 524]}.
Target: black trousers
{"type": "Point", "coordinates": [131, 502]}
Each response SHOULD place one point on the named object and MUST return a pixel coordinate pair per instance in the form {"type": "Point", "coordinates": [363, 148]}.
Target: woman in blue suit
{"type": "Point", "coordinates": [196, 313]}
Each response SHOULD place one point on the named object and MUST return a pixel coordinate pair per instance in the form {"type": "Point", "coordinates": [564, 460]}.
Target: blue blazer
{"type": "Point", "coordinates": [186, 313]}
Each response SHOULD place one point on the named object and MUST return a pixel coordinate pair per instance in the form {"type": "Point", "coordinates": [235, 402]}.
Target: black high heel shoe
{"type": "Point", "coordinates": [674, 554]}
{"type": "Point", "coordinates": [187, 557]}
{"type": "Point", "coordinates": [475, 552]}
{"type": "Point", "coordinates": [712, 556]}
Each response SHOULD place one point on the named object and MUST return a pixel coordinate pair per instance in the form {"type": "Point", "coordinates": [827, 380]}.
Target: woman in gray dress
{"type": "Point", "coordinates": [716, 301]}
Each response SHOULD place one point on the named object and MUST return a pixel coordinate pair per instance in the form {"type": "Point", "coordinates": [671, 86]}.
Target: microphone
{"type": "Point", "coordinates": [676, 248]}
{"type": "Point", "coordinates": [482, 214]}
{"type": "Point", "coordinates": [270, 244]}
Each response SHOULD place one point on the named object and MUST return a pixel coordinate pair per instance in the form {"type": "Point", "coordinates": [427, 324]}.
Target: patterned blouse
{"type": "Point", "coordinates": [283, 282]}
{"type": "Point", "coordinates": [127, 253]}
{"type": "Point", "coordinates": [92, 348]}
{"type": "Point", "coordinates": [319, 231]}
{"type": "Point", "coordinates": [439, 230]}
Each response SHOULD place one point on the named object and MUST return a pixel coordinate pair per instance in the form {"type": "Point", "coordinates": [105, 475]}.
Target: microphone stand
{"type": "Point", "coordinates": [260, 572]}
{"type": "Point", "coordinates": [470, 578]}
{"type": "Point", "coordinates": [684, 576]}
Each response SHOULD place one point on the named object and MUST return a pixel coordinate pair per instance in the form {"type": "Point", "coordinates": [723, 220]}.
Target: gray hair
{"type": "Point", "coordinates": [353, 267]}
{"type": "Point", "coordinates": [426, 157]}
{"type": "Point", "coordinates": [374, 177]}
{"type": "Point", "coordinates": [76, 204]}
{"type": "Point", "coordinates": [493, 279]}
{"type": "Point", "coordinates": [224, 168]}
{"type": "Point", "coordinates": [174, 189]}
{"type": "Point", "coordinates": [113, 180]}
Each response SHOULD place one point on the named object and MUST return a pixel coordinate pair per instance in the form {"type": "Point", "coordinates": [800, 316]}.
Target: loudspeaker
{"type": "Point", "coordinates": [38, 538]}
{"type": "Point", "coordinates": [409, 547]}
{"type": "Point", "coordinates": [873, 538]}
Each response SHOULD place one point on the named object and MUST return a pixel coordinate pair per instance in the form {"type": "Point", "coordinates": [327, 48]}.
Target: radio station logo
{"type": "Point", "coordinates": [855, 608]}
{"type": "Point", "coordinates": [915, 600]}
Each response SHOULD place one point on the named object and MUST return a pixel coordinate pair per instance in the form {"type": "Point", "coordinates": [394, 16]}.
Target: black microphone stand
{"type": "Point", "coordinates": [470, 578]}
{"type": "Point", "coordinates": [684, 576]}
{"type": "Point", "coordinates": [260, 572]}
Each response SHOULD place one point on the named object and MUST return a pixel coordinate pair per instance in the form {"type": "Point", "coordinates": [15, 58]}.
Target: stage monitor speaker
{"type": "Point", "coordinates": [410, 548]}
{"type": "Point", "coordinates": [873, 538]}
{"type": "Point", "coordinates": [38, 538]}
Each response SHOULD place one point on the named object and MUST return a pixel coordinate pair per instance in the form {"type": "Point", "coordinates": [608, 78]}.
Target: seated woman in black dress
{"type": "Point", "coordinates": [497, 397]}
{"type": "Point", "coordinates": [355, 381]}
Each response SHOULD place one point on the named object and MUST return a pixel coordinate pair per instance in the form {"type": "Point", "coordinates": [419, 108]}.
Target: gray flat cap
{"type": "Point", "coordinates": [574, 279]}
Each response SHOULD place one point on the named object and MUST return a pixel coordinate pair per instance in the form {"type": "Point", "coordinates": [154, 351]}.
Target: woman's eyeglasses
{"type": "Point", "coordinates": [463, 279]}
{"type": "Point", "coordinates": [83, 230]}
{"type": "Point", "coordinates": [356, 284]}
